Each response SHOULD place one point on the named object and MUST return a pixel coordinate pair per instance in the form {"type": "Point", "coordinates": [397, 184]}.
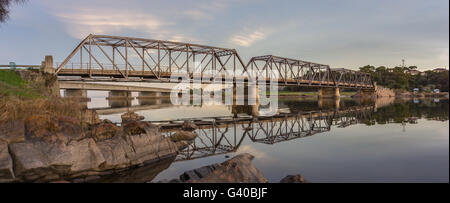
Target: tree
{"type": "Point", "coordinates": [367, 69]}
{"type": "Point", "coordinates": [5, 6]}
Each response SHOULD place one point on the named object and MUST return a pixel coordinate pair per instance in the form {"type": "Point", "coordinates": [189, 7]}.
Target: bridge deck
{"type": "Point", "coordinates": [168, 75]}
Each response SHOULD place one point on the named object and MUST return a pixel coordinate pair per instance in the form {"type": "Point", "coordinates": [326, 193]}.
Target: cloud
{"type": "Point", "coordinates": [81, 22]}
{"type": "Point", "coordinates": [196, 14]}
{"type": "Point", "coordinates": [247, 39]}
{"type": "Point", "coordinates": [204, 10]}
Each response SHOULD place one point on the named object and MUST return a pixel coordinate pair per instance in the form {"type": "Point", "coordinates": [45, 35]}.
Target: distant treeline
{"type": "Point", "coordinates": [400, 78]}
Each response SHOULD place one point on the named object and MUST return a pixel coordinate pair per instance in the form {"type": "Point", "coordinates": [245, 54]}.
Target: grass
{"type": "Point", "coordinates": [12, 85]}
{"type": "Point", "coordinates": [14, 108]}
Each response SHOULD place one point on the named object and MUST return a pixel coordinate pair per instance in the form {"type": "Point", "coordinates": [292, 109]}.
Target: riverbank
{"type": "Point", "coordinates": [45, 138]}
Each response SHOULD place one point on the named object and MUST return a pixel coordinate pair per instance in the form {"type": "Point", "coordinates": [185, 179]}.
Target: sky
{"type": "Point", "coordinates": [340, 33]}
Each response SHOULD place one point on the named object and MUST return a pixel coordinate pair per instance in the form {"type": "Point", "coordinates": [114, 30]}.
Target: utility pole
{"type": "Point", "coordinates": [403, 63]}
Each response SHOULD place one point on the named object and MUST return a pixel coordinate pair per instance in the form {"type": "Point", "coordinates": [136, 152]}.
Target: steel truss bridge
{"type": "Point", "coordinates": [156, 60]}
{"type": "Point", "coordinates": [222, 136]}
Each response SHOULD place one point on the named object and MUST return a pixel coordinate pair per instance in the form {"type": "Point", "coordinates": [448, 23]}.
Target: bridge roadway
{"type": "Point", "coordinates": [165, 77]}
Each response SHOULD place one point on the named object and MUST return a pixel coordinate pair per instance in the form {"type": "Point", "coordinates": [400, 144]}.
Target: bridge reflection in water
{"type": "Point", "coordinates": [225, 135]}
{"type": "Point", "coordinates": [221, 135]}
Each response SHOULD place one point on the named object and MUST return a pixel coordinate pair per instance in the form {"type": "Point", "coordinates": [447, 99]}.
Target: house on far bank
{"type": "Point", "coordinates": [439, 70]}
{"type": "Point", "coordinates": [413, 72]}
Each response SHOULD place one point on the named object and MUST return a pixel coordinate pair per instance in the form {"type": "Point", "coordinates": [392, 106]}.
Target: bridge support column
{"type": "Point", "coordinates": [75, 93]}
{"type": "Point", "coordinates": [252, 95]}
{"type": "Point", "coordinates": [238, 93]}
{"type": "Point", "coordinates": [337, 102]}
{"type": "Point", "coordinates": [329, 92]}
{"type": "Point", "coordinates": [47, 65]}
{"type": "Point", "coordinates": [78, 95]}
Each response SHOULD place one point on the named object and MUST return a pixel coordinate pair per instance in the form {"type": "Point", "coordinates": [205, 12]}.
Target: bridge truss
{"type": "Point", "coordinates": [126, 57]}
{"type": "Point", "coordinates": [114, 56]}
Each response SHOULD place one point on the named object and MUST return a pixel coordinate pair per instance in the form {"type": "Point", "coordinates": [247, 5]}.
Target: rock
{"type": "Point", "coordinates": [170, 181]}
{"type": "Point", "coordinates": [6, 164]}
{"type": "Point", "coordinates": [189, 126]}
{"type": "Point", "coordinates": [12, 132]}
{"type": "Point", "coordinates": [135, 127]}
{"type": "Point", "coordinates": [131, 116]}
{"type": "Point", "coordinates": [182, 144]}
{"type": "Point", "coordinates": [88, 160]}
{"type": "Point", "coordinates": [183, 135]}
{"type": "Point", "coordinates": [293, 179]}
{"type": "Point", "coordinates": [104, 130]}
{"type": "Point", "coordinates": [123, 152]}
{"type": "Point", "coordinates": [198, 173]}
{"type": "Point", "coordinates": [239, 169]}
{"type": "Point", "coordinates": [42, 161]}
{"type": "Point", "coordinates": [60, 181]}
{"type": "Point", "coordinates": [91, 117]}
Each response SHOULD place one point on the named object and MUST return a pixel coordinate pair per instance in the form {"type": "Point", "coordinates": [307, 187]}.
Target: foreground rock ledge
{"type": "Point", "coordinates": [83, 156]}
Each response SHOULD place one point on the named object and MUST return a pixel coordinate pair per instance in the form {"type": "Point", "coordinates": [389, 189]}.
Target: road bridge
{"type": "Point", "coordinates": [128, 58]}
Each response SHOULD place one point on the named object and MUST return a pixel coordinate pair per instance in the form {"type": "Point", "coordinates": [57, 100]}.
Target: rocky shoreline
{"type": "Point", "coordinates": [135, 152]}
{"type": "Point", "coordinates": [65, 151]}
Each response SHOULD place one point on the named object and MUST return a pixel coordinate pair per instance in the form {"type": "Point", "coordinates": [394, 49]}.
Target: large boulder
{"type": "Point", "coordinates": [104, 130]}
{"type": "Point", "coordinates": [6, 164]}
{"type": "Point", "coordinates": [189, 126]}
{"type": "Point", "coordinates": [183, 136]}
{"type": "Point", "coordinates": [239, 169]}
{"type": "Point", "coordinates": [43, 161]}
{"type": "Point", "coordinates": [86, 159]}
{"type": "Point", "coordinates": [131, 116]}
{"type": "Point", "coordinates": [136, 127]}
{"type": "Point", "coordinates": [293, 179]}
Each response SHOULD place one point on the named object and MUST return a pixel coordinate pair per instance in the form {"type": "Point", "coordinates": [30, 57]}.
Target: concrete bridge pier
{"type": "Point", "coordinates": [118, 98]}
{"type": "Point", "coordinates": [251, 93]}
{"type": "Point", "coordinates": [150, 94]}
{"type": "Point", "coordinates": [149, 101]}
{"type": "Point", "coordinates": [47, 65]}
{"type": "Point", "coordinates": [329, 92]}
{"type": "Point", "coordinates": [75, 93]}
{"type": "Point", "coordinates": [116, 94]}
{"type": "Point", "coordinates": [327, 103]}
{"type": "Point", "coordinates": [79, 95]}
{"type": "Point", "coordinates": [119, 103]}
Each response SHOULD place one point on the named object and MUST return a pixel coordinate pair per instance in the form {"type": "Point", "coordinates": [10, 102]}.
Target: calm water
{"type": "Point", "coordinates": [382, 141]}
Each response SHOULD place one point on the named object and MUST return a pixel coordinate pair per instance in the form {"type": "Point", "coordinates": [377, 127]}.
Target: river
{"type": "Point", "coordinates": [391, 140]}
